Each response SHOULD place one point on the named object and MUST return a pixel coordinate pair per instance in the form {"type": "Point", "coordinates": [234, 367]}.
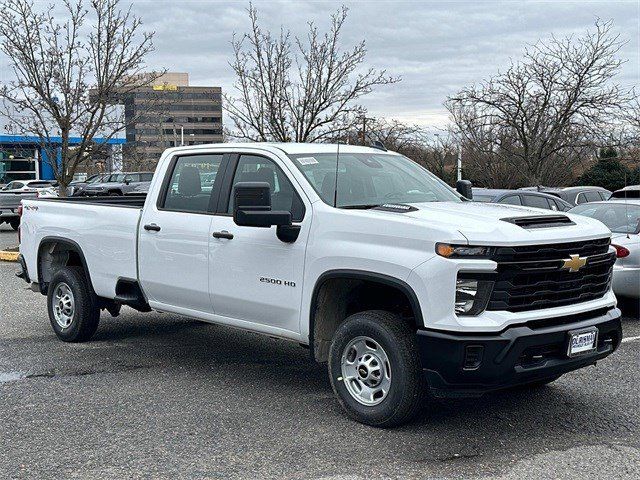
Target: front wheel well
{"type": "Point", "coordinates": [341, 294]}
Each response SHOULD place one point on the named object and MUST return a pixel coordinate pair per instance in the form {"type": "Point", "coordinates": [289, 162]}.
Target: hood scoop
{"type": "Point", "coordinates": [540, 221]}
{"type": "Point", "coordinates": [396, 207]}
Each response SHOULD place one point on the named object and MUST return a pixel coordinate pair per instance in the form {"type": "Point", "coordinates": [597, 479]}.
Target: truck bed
{"type": "Point", "coordinates": [105, 228]}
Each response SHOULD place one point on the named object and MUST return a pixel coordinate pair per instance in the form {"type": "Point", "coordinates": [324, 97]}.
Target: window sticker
{"type": "Point", "coordinates": [307, 161]}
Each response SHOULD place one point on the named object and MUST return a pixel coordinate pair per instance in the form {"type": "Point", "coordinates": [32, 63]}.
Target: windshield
{"type": "Point", "coordinates": [370, 179]}
{"type": "Point", "coordinates": [619, 217]}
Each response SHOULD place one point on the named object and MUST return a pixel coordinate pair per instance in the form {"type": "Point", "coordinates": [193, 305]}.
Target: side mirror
{"type": "Point", "coordinates": [464, 188]}
{"type": "Point", "coordinates": [252, 208]}
{"type": "Point", "coordinates": [127, 181]}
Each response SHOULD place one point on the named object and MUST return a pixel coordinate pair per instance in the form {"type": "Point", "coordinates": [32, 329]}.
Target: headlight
{"type": "Point", "coordinates": [472, 295]}
{"type": "Point", "coordinates": [462, 251]}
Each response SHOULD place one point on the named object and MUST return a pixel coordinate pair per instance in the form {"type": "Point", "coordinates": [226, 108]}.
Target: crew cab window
{"type": "Point", "coordinates": [191, 183]}
{"type": "Point", "coordinates": [511, 200]}
{"type": "Point", "coordinates": [535, 201]}
{"type": "Point", "coordinates": [253, 168]}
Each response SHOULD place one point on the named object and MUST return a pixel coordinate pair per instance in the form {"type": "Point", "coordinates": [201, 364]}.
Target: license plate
{"type": "Point", "coordinates": [582, 341]}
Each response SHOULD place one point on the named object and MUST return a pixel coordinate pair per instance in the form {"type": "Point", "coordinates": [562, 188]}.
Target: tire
{"type": "Point", "coordinates": [79, 322]}
{"type": "Point", "coordinates": [406, 389]}
{"type": "Point", "coordinates": [15, 223]}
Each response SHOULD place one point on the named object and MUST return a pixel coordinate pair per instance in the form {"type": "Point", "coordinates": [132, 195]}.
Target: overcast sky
{"type": "Point", "coordinates": [436, 46]}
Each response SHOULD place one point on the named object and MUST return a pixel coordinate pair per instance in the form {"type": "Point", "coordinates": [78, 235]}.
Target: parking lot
{"type": "Point", "coordinates": [160, 396]}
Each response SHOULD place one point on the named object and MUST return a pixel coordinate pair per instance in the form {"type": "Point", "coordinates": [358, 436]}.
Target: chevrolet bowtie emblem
{"type": "Point", "coordinates": [574, 263]}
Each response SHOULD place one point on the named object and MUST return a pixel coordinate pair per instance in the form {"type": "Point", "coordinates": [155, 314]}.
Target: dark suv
{"type": "Point", "coordinates": [521, 197]}
{"type": "Point", "coordinates": [574, 195]}
{"type": "Point", "coordinates": [118, 183]}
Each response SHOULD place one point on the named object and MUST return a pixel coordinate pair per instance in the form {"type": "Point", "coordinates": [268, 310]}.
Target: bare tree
{"type": "Point", "coordinates": [294, 90]}
{"type": "Point", "coordinates": [70, 73]}
{"type": "Point", "coordinates": [547, 108]}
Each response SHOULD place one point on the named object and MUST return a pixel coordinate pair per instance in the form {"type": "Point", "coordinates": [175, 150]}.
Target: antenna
{"type": "Point", "coordinates": [335, 190]}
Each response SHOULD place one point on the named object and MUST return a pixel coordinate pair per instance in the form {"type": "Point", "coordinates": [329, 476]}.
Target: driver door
{"type": "Point", "coordinates": [254, 277]}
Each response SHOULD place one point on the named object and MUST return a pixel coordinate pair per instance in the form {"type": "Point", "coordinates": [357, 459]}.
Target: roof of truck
{"type": "Point", "coordinates": [292, 148]}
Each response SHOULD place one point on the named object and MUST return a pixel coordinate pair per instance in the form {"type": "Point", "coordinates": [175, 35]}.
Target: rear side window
{"type": "Point", "coordinates": [146, 177]}
{"type": "Point", "coordinates": [191, 183]}
{"type": "Point", "coordinates": [537, 202]}
{"type": "Point", "coordinates": [253, 168]}
{"type": "Point", "coordinates": [593, 196]}
{"type": "Point", "coordinates": [511, 200]}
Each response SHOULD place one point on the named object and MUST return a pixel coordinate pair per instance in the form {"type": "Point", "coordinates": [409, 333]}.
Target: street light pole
{"type": "Point", "coordinates": [460, 161]}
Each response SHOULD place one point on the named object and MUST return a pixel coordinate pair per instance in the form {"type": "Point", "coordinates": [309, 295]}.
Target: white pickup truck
{"type": "Point", "coordinates": [398, 282]}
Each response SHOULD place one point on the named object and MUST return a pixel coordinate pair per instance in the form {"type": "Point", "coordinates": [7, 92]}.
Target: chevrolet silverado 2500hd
{"type": "Point", "coordinates": [395, 280]}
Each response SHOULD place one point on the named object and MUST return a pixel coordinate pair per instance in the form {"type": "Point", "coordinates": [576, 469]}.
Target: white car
{"type": "Point", "coordinates": [387, 274]}
{"type": "Point", "coordinates": [29, 186]}
{"type": "Point", "coordinates": [623, 219]}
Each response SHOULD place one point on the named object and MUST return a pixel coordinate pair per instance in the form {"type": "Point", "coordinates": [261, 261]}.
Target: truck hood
{"type": "Point", "coordinates": [484, 223]}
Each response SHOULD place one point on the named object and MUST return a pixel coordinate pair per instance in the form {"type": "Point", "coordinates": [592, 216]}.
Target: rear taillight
{"type": "Point", "coordinates": [621, 251]}
{"type": "Point", "coordinates": [20, 210]}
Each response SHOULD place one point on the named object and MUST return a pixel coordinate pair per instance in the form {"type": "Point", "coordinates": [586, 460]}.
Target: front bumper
{"type": "Point", "coordinates": [471, 364]}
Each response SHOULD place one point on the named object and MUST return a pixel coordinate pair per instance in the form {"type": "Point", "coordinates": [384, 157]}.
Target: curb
{"type": "Point", "coordinates": [8, 256]}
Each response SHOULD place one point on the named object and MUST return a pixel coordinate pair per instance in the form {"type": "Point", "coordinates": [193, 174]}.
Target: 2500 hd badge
{"type": "Point", "coordinates": [277, 281]}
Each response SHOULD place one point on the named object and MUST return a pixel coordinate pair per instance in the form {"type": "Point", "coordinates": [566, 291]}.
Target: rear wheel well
{"type": "Point", "coordinates": [54, 254]}
{"type": "Point", "coordinates": [336, 297]}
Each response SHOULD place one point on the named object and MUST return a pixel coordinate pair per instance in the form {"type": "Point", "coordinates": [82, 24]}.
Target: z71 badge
{"type": "Point", "coordinates": [277, 281]}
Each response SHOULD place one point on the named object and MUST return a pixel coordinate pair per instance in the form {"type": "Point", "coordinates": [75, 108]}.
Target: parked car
{"type": "Point", "coordinates": [28, 185]}
{"type": "Point", "coordinates": [77, 187]}
{"type": "Point", "coordinates": [386, 273]}
{"type": "Point", "coordinates": [520, 197]}
{"type": "Point", "coordinates": [15, 191]}
{"type": "Point", "coordinates": [142, 188]}
{"type": "Point", "coordinates": [574, 195]}
{"type": "Point", "coordinates": [9, 205]}
{"type": "Point", "coordinates": [632, 191]}
{"type": "Point", "coordinates": [623, 219]}
{"type": "Point", "coordinates": [117, 183]}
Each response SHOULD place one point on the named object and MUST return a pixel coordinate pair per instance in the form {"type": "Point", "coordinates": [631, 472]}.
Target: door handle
{"type": "Point", "coordinates": [223, 234]}
{"type": "Point", "coordinates": [152, 227]}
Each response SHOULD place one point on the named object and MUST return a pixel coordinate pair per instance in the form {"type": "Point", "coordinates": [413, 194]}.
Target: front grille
{"type": "Point", "coordinates": [533, 277]}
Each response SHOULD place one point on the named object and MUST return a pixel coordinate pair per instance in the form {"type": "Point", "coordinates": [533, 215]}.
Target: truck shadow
{"type": "Point", "coordinates": [567, 409]}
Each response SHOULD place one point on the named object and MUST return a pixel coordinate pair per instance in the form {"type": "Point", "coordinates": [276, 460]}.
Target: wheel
{"type": "Point", "coordinates": [72, 305]}
{"type": "Point", "coordinates": [374, 369]}
{"type": "Point", "coordinates": [15, 223]}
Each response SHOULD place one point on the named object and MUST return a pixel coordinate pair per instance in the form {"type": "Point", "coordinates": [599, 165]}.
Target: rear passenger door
{"type": "Point", "coordinates": [174, 235]}
{"type": "Point", "coordinates": [256, 279]}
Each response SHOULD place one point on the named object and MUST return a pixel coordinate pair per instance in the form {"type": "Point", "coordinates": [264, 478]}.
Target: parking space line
{"type": "Point", "coordinates": [630, 339]}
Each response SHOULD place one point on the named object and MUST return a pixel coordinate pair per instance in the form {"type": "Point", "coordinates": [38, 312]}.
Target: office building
{"type": "Point", "coordinates": [169, 113]}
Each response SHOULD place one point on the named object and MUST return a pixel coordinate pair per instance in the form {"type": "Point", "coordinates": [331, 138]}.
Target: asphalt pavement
{"type": "Point", "coordinates": [161, 396]}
